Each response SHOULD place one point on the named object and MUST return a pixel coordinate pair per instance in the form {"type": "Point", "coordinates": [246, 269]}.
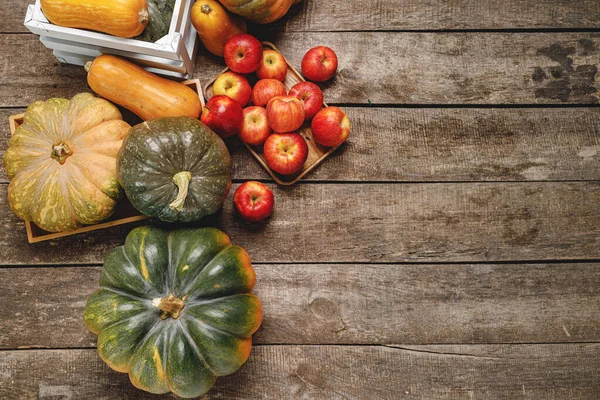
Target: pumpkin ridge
{"type": "Point", "coordinates": [118, 321]}
{"type": "Point", "coordinates": [49, 172]}
{"type": "Point", "coordinates": [189, 286]}
{"type": "Point", "coordinates": [146, 283]}
{"type": "Point", "coordinates": [76, 192]}
{"type": "Point", "coordinates": [124, 293]}
{"type": "Point", "coordinates": [85, 172]}
{"type": "Point", "coordinates": [224, 332]}
{"type": "Point", "coordinates": [198, 161]}
{"type": "Point", "coordinates": [170, 275]}
{"type": "Point", "coordinates": [143, 161]}
{"type": "Point", "coordinates": [194, 346]}
{"type": "Point", "coordinates": [173, 268]}
{"type": "Point", "coordinates": [63, 186]}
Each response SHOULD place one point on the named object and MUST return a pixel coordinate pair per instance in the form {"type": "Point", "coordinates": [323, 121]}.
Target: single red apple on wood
{"type": "Point", "coordinates": [265, 89]}
{"type": "Point", "coordinates": [254, 201]}
{"type": "Point", "coordinates": [272, 66]}
{"type": "Point", "coordinates": [233, 85]}
{"type": "Point", "coordinates": [285, 113]}
{"type": "Point", "coordinates": [285, 153]}
{"type": "Point", "coordinates": [223, 115]}
{"type": "Point", "coordinates": [243, 53]}
{"type": "Point", "coordinates": [311, 97]}
{"type": "Point", "coordinates": [319, 64]}
{"type": "Point", "coordinates": [255, 128]}
{"type": "Point", "coordinates": [330, 127]}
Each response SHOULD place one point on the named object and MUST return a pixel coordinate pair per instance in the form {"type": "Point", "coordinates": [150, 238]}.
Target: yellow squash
{"type": "Point", "coordinates": [123, 18]}
{"type": "Point", "coordinates": [215, 25]}
{"type": "Point", "coordinates": [141, 92]}
{"type": "Point", "coordinates": [62, 162]}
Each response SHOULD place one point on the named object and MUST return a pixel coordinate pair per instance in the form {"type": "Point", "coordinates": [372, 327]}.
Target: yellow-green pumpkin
{"type": "Point", "coordinates": [174, 309]}
{"type": "Point", "coordinates": [62, 162]}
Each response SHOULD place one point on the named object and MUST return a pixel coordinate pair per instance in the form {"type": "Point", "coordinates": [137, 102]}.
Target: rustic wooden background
{"type": "Point", "coordinates": [450, 250]}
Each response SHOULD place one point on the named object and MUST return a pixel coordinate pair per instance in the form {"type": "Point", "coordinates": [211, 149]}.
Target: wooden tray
{"type": "Point", "coordinates": [124, 212]}
{"type": "Point", "coordinates": [316, 152]}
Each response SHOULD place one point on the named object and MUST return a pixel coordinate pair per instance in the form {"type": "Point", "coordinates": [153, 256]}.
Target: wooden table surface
{"type": "Point", "coordinates": [449, 250]}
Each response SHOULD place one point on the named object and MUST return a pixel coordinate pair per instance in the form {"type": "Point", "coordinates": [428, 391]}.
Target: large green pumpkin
{"type": "Point", "coordinates": [174, 169]}
{"type": "Point", "coordinates": [174, 309]}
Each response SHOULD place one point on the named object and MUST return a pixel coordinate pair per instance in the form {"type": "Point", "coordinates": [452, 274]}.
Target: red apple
{"type": "Point", "coordinates": [254, 201]}
{"type": "Point", "coordinates": [285, 113]}
{"type": "Point", "coordinates": [265, 89]}
{"type": "Point", "coordinates": [285, 153]}
{"type": "Point", "coordinates": [272, 66]}
{"type": "Point", "coordinates": [255, 128]}
{"type": "Point", "coordinates": [243, 53]}
{"type": "Point", "coordinates": [319, 64]}
{"type": "Point", "coordinates": [330, 127]}
{"type": "Point", "coordinates": [311, 97]}
{"type": "Point", "coordinates": [233, 85]}
{"type": "Point", "coordinates": [223, 115]}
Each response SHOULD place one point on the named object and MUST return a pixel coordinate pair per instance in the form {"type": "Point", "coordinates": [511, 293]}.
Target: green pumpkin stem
{"type": "Point", "coordinates": [182, 181]}
{"type": "Point", "coordinates": [170, 306]}
{"type": "Point", "coordinates": [206, 9]}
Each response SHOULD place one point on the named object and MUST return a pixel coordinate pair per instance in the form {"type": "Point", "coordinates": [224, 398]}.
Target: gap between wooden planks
{"type": "Point", "coordinates": [314, 15]}
{"type": "Point", "coordinates": [459, 222]}
{"type": "Point", "coordinates": [436, 145]}
{"type": "Point", "coordinates": [563, 371]}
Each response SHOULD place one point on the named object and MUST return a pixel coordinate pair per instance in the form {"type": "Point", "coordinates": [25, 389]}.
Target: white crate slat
{"type": "Point", "coordinates": [172, 55]}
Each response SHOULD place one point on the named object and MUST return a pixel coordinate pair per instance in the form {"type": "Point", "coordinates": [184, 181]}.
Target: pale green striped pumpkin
{"type": "Point", "coordinates": [62, 162]}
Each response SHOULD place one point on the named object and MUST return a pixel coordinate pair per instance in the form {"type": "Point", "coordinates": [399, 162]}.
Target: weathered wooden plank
{"type": "Point", "coordinates": [378, 223]}
{"type": "Point", "coordinates": [347, 304]}
{"type": "Point", "coordinates": [377, 15]}
{"type": "Point", "coordinates": [379, 67]}
{"type": "Point", "coordinates": [552, 372]}
{"type": "Point", "coordinates": [408, 145]}
{"type": "Point", "coordinates": [312, 15]}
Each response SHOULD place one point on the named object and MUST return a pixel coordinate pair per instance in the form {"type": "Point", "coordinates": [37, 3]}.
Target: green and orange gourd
{"type": "Point", "coordinates": [259, 11]}
{"type": "Point", "coordinates": [174, 309]}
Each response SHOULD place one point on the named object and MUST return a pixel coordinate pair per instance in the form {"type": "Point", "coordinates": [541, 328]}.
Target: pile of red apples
{"type": "Point", "coordinates": [275, 115]}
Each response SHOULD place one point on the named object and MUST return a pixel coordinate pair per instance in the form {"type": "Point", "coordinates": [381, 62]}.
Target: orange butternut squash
{"type": "Point", "coordinates": [123, 18]}
{"type": "Point", "coordinates": [141, 92]}
{"type": "Point", "coordinates": [215, 25]}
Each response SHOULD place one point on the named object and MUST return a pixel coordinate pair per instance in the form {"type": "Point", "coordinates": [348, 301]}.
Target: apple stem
{"type": "Point", "coordinates": [182, 181]}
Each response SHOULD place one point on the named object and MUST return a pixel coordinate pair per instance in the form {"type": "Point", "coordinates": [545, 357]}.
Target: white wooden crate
{"type": "Point", "coordinates": [172, 55]}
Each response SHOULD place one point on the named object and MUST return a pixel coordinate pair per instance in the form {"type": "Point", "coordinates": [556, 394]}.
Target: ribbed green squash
{"type": "Point", "coordinates": [174, 169]}
{"type": "Point", "coordinates": [174, 309]}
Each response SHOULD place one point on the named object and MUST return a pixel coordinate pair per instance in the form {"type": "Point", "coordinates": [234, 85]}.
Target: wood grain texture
{"type": "Point", "coordinates": [379, 67]}
{"type": "Point", "coordinates": [434, 145]}
{"type": "Point", "coordinates": [377, 223]}
{"type": "Point", "coordinates": [551, 372]}
{"type": "Point", "coordinates": [314, 15]}
{"type": "Point", "coordinates": [376, 15]}
{"type": "Point", "coordinates": [347, 304]}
